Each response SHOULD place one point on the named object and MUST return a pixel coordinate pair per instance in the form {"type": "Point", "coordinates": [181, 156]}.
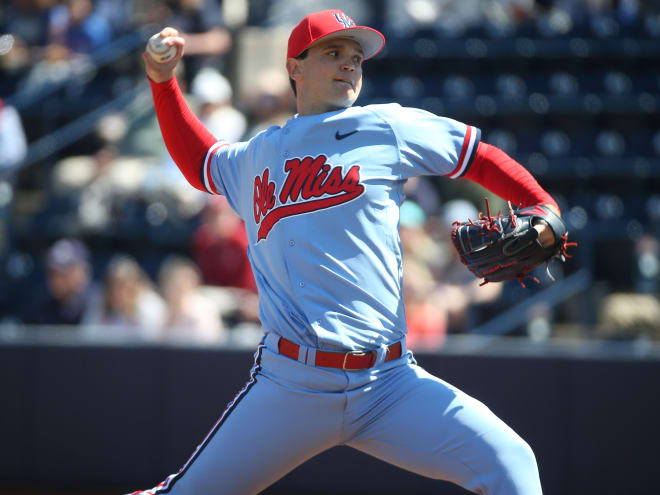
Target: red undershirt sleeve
{"type": "Point", "coordinates": [502, 175]}
{"type": "Point", "coordinates": [186, 138]}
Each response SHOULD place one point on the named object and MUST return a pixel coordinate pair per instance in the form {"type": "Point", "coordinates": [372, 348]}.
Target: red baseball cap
{"type": "Point", "coordinates": [329, 24]}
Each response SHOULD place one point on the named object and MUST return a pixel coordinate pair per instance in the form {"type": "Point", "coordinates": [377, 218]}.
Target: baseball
{"type": "Point", "coordinates": [159, 50]}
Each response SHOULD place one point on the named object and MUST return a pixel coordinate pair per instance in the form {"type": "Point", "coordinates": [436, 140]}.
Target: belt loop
{"type": "Point", "coordinates": [311, 356]}
{"type": "Point", "coordinates": [272, 342]}
{"type": "Point", "coordinates": [302, 353]}
{"type": "Point", "coordinates": [307, 355]}
{"type": "Point", "coordinates": [381, 353]}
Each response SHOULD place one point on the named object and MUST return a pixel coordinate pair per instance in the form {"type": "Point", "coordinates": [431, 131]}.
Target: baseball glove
{"type": "Point", "coordinates": [506, 247]}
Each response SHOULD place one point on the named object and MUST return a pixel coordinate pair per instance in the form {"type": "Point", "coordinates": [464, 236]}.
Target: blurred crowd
{"type": "Point", "coordinates": [203, 290]}
{"type": "Point", "coordinates": [210, 296]}
{"type": "Point", "coordinates": [196, 299]}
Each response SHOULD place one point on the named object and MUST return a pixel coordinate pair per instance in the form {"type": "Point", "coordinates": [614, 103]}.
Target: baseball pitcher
{"type": "Point", "coordinates": [320, 198]}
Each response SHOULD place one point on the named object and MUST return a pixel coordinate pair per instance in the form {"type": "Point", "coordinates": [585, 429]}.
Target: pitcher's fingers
{"type": "Point", "coordinates": [177, 41]}
{"type": "Point", "coordinates": [168, 31]}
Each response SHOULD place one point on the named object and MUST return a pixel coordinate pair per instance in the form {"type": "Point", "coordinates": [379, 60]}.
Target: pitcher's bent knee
{"type": "Point", "coordinates": [514, 470]}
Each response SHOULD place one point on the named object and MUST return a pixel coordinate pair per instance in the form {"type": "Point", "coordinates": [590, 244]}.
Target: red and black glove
{"type": "Point", "coordinates": [507, 247]}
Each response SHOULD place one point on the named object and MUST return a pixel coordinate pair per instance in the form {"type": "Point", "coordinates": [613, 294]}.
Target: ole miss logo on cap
{"type": "Point", "coordinates": [344, 19]}
{"type": "Point", "coordinates": [333, 23]}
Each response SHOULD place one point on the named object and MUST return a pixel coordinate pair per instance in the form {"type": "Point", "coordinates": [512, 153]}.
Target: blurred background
{"type": "Point", "coordinates": [128, 311]}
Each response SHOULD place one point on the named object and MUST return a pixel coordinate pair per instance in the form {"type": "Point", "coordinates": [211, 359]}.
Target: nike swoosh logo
{"type": "Point", "coordinates": [339, 137]}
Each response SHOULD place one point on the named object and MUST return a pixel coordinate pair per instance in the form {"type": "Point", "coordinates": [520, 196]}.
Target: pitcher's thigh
{"type": "Point", "coordinates": [440, 432]}
{"type": "Point", "coordinates": [259, 439]}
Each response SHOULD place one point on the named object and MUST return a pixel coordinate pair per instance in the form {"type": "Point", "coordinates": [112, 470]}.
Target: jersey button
{"type": "Point", "coordinates": [286, 153]}
{"type": "Point", "coordinates": [292, 242]}
{"type": "Point", "coordinates": [301, 284]}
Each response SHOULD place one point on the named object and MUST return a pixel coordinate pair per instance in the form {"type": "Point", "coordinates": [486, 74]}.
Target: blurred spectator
{"type": "Point", "coordinates": [68, 284]}
{"type": "Point", "coordinates": [647, 269]}
{"type": "Point", "coordinates": [77, 27]}
{"type": "Point", "coordinates": [53, 66]}
{"type": "Point", "coordinates": [220, 247]}
{"type": "Point", "coordinates": [120, 14]}
{"type": "Point", "coordinates": [13, 145]}
{"type": "Point", "coordinates": [426, 320]}
{"type": "Point", "coordinates": [129, 307]}
{"type": "Point", "coordinates": [73, 32]}
{"type": "Point", "coordinates": [85, 184]}
{"type": "Point", "coordinates": [23, 36]}
{"type": "Point", "coordinates": [201, 23]}
{"type": "Point", "coordinates": [422, 191]}
{"type": "Point", "coordinates": [415, 240]}
{"type": "Point", "coordinates": [216, 111]}
{"type": "Point", "coordinates": [27, 20]}
{"type": "Point", "coordinates": [220, 250]}
{"type": "Point", "coordinates": [190, 316]}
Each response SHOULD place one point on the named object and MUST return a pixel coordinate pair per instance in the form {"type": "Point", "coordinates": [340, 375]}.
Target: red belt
{"type": "Point", "coordinates": [352, 360]}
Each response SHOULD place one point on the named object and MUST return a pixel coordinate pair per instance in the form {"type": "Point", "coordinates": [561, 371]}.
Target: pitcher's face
{"type": "Point", "coordinates": [330, 77]}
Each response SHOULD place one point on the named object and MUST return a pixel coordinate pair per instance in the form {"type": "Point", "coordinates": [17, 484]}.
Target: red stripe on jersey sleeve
{"type": "Point", "coordinates": [207, 172]}
{"type": "Point", "coordinates": [502, 175]}
{"type": "Point", "coordinates": [186, 138]}
{"type": "Point", "coordinates": [206, 169]}
{"type": "Point", "coordinates": [466, 144]}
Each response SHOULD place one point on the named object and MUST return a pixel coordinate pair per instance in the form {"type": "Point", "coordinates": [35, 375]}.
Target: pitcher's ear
{"type": "Point", "coordinates": [293, 67]}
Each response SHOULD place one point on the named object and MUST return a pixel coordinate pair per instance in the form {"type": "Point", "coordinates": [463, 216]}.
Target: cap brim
{"type": "Point", "coordinates": [371, 41]}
